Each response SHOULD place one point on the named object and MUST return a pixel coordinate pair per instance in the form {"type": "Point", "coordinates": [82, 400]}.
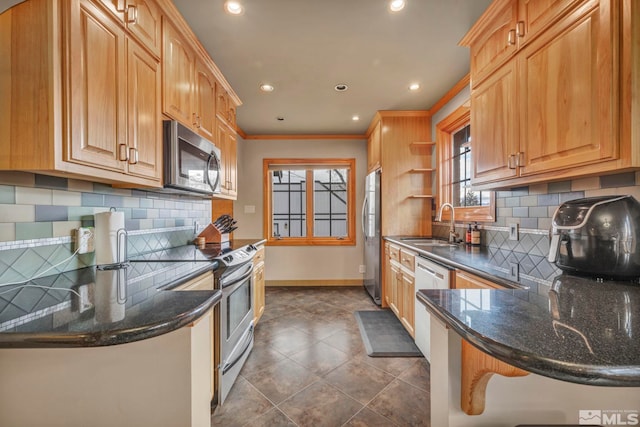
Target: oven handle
{"type": "Point", "coordinates": [248, 341]}
{"type": "Point", "coordinates": [233, 279]}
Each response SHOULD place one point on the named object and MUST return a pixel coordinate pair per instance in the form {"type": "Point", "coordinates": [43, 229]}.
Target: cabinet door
{"type": "Point", "coordinates": [466, 280]}
{"type": "Point", "coordinates": [497, 43]}
{"type": "Point", "coordinates": [373, 148]}
{"type": "Point", "coordinates": [494, 130]}
{"type": "Point", "coordinates": [144, 127]}
{"type": "Point", "coordinates": [222, 103]}
{"type": "Point", "coordinates": [205, 101]}
{"type": "Point", "coordinates": [143, 20]}
{"type": "Point", "coordinates": [177, 63]}
{"type": "Point", "coordinates": [97, 88]}
{"type": "Point", "coordinates": [567, 95]}
{"type": "Point", "coordinates": [534, 16]}
{"type": "Point", "coordinates": [117, 7]}
{"type": "Point", "coordinates": [395, 278]}
{"type": "Point", "coordinates": [232, 164]}
{"type": "Point", "coordinates": [221, 143]}
{"type": "Point", "coordinates": [408, 303]}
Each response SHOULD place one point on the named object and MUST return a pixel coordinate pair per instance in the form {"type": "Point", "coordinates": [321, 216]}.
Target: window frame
{"type": "Point", "coordinates": [445, 129]}
{"type": "Point", "coordinates": [310, 240]}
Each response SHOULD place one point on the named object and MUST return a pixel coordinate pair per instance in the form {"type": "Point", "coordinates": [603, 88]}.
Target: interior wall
{"type": "Point", "coordinates": [332, 264]}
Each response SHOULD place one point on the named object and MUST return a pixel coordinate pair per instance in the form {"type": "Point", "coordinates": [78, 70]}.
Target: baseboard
{"type": "Point", "coordinates": [324, 282]}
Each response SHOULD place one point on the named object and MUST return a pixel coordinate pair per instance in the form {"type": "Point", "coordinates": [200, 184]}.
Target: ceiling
{"type": "Point", "coordinates": [305, 47]}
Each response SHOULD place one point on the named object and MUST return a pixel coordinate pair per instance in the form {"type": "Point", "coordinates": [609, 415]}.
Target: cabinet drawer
{"type": "Point", "coordinates": [407, 259]}
{"type": "Point", "coordinates": [394, 253]}
{"type": "Point", "coordinates": [466, 280]}
{"type": "Point", "coordinates": [259, 257]}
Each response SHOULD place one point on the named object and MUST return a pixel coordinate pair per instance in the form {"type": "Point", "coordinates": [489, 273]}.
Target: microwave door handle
{"type": "Point", "coordinates": [211, 157]}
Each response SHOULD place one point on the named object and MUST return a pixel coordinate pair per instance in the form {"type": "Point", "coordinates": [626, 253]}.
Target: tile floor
{"type": "Point", "coordinates": [309, 368]}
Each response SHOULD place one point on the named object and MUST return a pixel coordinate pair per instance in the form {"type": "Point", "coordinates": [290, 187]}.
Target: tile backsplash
{"type": "Point", "coordinates": [532, 208]}
{"type": "Point", "coordinates": [38, 214]}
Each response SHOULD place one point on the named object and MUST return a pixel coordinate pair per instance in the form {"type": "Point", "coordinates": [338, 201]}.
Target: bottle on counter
{"type": "Point", "coordinates": [475, 235]}
{"type": "Point", "coordinates": [467, 239]}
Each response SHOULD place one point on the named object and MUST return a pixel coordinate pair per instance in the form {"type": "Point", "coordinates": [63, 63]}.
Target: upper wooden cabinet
{"type": "Point", "coordinates": [204, 99]}
{"type": "Point", "coordinates": [93, 92]}
{"type": "Point", "coordinates": [227, 141]}
{"type": "Point", "coordinates": [406, 180]}
{"type": "Point", "coordinates": [141, 17]}
{"type": "Point", "coordinates": [225, 107]}
{"type": "Point", "coordinates": [373, 148]}
{"type": "Point", "coordinates": [552, 110]}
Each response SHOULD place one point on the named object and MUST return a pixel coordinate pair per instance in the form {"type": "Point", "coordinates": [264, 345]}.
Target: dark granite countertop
{"type": "Point", "coordinates": [192, 253]}
{"type": "Point", "coordinates": [98, 308]}
{"type": "Point", "coordinates": [587, 331]}
{"type": "Point", "coordinates": [474, 259]}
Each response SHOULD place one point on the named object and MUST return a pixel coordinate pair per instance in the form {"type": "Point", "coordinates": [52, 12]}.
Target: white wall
{"type": "Point", "coordinates": [455, 102]}
{"type": "Point", "coordinates": [298, 262]}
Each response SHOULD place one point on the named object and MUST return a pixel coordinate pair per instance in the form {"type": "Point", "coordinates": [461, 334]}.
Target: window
{"type": "Point", "coordinates": [309, 201]}
{"type": "Point", "coordinates": [453, 139]}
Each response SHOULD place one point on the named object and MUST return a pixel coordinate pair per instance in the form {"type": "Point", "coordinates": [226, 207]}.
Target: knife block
{"type": "Point", "coordinates": [212, 234]}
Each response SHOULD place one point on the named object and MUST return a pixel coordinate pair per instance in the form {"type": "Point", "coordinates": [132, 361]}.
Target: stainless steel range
{"type": "Point", "coordinates": [234, 315]}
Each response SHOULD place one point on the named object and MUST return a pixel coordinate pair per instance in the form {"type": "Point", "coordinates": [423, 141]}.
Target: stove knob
{"type": "Point", "coordinates": [228, 258]}
{"type": "Point", "coordinates": [251, 248]}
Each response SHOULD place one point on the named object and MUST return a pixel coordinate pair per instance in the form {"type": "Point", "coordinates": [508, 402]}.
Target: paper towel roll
{"type": "Point", "coordinates": [110, 238]}
{"type": "Point", "coordinates": [109, 300]}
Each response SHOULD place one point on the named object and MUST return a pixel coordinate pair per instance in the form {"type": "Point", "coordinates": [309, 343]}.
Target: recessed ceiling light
{"type": "Point", "coordinates": [355, 118]}
{"type": "Point", "coordinates": [396, 5]}
{"type": "Point", "coordinates": [233, 7]}
{"type": "Point", "coordinates": [280, 119]}
{"type": "Point", "coordinates": [414, 86]}
{"type": "Point", "coordinates": [341, 87]}
{"type": "Point", "coordinates": [266, 87]}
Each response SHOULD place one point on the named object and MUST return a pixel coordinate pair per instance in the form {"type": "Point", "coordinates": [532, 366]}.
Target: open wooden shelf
{"type": "Point", "coordinates": [421, 196]}
{"type": "Point", "coordinates": [421, 170]}
{"type": "Point", "coordinates": [422, 144]}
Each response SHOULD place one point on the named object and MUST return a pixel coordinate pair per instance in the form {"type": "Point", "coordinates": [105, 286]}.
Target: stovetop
{"type": "Point", "coordinates": [229, 253]}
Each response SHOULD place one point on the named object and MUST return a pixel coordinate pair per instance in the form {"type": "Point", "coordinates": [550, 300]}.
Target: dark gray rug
{"type": "Point", "coordinates": [384, 335]}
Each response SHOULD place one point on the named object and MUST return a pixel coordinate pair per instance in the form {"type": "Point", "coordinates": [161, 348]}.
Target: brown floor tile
{"type": "Point", "coordinates": [368, 418]}
{"type": "Point", "coordinates": [290, 340]}
{"type": "Point", "coordinates": [262, 356]}
{"type": "Point", "coordinates": [273, 418]}
{"type": "Point", "coordinates": [418, 375]}
{"type": "Point", "coordinates": [243, 404]}
{"type": "Point", "coordinates": [403, 404]}
{"type": "Point", "coordinates": [320, 358]}
{"type": "Point", "coordinates": [348, 341]}
{"type": "Point", "coordinates": [393, 365]}
{"type": "Point", "coordinates": [281, 380]}
{"type": "Point", "coordinates": [320, 405]}
{"type": "Point", "coordinates": [359, 380]}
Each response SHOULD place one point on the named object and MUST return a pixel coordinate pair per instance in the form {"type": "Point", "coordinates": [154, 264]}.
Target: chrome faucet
{"type": "Point", "coordinates": [453, 236]}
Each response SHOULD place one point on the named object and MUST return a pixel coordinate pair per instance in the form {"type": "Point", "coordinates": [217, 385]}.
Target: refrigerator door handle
{"type": "Point", "coordinates": [364, 207]}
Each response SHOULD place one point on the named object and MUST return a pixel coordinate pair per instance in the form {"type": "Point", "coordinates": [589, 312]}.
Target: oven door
{"type": "Point", "coordinates": [191, 162]}
{"type": "Point", "coordinates": [236, 325]}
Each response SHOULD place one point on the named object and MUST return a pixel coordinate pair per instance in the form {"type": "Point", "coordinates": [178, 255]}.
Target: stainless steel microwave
{"type": "Point", "coordinates": [191, 163]}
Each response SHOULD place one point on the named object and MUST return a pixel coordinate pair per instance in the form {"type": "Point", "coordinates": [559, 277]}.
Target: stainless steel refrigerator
{"type": "Point", "coordinates": [371, 228]}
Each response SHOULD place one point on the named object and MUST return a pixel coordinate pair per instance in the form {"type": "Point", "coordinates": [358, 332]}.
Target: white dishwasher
{"type": "Point", "coordinates": [429, 275]}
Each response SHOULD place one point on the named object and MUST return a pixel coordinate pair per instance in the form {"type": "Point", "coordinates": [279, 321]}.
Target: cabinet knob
{"type": "Point", "coordinates": [520, 29]}
{"type": "Point", "coordinates": [120, 5]}
{"type": "Point", "coordinates": [195, 119]}
{"type": "Point", "coordinates": [132, 14]}
{"type": "Point", "coordinates": [511, 164]}
{"type": "Point", "coordinates": [511, 38]}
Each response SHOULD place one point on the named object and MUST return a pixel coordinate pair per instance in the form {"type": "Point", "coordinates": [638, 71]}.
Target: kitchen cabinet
{"type": "Point", "coordinates": [225, 107]}
{"type": "Point", "coordinates": [544, 101]}
{"type": "Point", "coordinates": [373, 148]}
{"type": "Point", "coordinates": [465, 280]}
{"type": "Point", "coordinates": [401, 285]}
{"type": "Point", "coordinates": [142, 18]}
{"type": "Point", "coordinates": [204, 98]}
{"type": "Point", "coordinates": [227, 141]}
{"type": "Point", "coordinates": [258, 285]}
{"type": "Point", "coordinates": [93, 91]}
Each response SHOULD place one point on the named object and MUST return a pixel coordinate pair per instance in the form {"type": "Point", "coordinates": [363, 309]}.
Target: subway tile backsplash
{"type": "Point", "coordinates": [38, 214]}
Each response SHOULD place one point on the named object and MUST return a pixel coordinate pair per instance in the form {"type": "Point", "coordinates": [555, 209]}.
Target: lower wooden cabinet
{"type": "Point", "coordinates": [258, 285]}
{"type": "Point", "coordinates": [400, 285]}
{"type": "Point", "coordinates": [465, 280]}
